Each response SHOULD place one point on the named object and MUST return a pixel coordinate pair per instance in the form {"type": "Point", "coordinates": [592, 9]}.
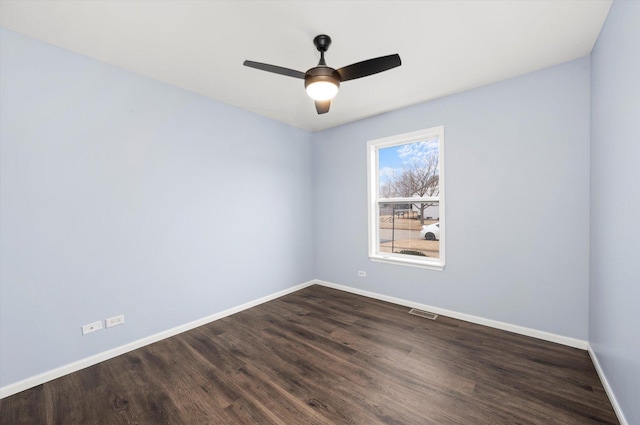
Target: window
{"type": "Point", "coordinates": [406, 199]}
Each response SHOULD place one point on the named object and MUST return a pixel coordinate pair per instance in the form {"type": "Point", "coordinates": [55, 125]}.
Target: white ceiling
{"type": "Point", "coordinates": [446, 46]}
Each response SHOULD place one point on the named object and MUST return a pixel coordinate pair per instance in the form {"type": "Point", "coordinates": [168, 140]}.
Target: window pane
{"type": "Point", "coordinates": [410, 229]}
{"type": "Point", "coordinates": [409, 170]}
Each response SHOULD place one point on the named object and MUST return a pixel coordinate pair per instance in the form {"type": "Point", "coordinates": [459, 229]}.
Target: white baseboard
{"type": "Point", "coordinates": [109, 354]}
{"type": "Point", "coordinates": [106, 355]}
{"type": "Point", "coordinates": [547, 336]}
{"type": "Point", "coordinates": [607, 387]}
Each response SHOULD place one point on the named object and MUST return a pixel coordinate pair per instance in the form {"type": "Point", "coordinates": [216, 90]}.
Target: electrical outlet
{"type": "Point", "coordinates": [362, 274]}
{"type": "Point", "coordinates": [92, 327]}
{"type": "Point", "coordinates": [115, 321]}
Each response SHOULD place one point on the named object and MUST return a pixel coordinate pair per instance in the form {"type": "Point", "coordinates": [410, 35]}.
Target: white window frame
{"type": "Point", "coordinates": [374, 199]}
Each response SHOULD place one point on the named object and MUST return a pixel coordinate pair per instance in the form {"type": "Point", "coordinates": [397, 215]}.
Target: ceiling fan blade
{"type": "Point", "coordinates": [275, 69]}
{"type": "Point", "coordinates": [322, 106]}
{"type": "Point", "coordinates": [369, 67]}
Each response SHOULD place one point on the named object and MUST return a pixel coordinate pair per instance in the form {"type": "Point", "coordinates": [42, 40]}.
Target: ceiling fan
{"type": "Point", "coordinates": [322, 82]}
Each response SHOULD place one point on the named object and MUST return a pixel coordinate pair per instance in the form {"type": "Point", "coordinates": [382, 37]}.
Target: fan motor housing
{"type": "Point", "coordinates": [321, 73]}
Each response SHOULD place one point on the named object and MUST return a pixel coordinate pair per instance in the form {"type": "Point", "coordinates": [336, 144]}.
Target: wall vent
{"type": "Point", "coordinates": [422, 313]}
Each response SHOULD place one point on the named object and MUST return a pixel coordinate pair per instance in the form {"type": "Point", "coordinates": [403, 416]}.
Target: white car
{"type": "Point", "coordinates": [430, 232]}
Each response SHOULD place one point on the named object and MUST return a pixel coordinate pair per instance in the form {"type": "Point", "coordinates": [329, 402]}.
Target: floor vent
{"type": "Point", "coordinates": [422, 313]}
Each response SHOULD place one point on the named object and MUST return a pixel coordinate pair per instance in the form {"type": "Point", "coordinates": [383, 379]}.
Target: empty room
{"type": "Point", "coordinates": [320, 212]}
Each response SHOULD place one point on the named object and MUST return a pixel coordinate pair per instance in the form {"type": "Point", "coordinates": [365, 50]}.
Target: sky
{"type": "Point", "coordinates": [394, 158]}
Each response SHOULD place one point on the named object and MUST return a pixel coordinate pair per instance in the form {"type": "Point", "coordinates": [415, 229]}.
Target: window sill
{"type": "Point", "coordinates": [407, 262]}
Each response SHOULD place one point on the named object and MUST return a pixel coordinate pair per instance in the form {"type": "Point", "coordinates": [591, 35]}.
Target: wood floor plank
{"type": "Point", "coordinates": [321, 356]}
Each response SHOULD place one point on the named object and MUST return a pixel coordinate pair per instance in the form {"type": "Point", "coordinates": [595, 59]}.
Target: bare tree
{"type": "Point", "coordinates": [386, 190]}
{"type": "Point", "coordinates": [419, 177]}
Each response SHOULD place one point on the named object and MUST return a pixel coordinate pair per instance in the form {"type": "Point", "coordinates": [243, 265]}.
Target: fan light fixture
{"type": "Point", "coordinates": [322, 90]}
{"type": "Point", "coordinates": [322, 83]}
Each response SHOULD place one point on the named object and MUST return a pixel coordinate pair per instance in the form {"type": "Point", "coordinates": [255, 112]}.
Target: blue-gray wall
{"type": "Point", "coordinates": [614, 314]}
{"type": "Point", "coordinates": [120, 194]}
{"type": "Point", "coordinates": [517, 202]}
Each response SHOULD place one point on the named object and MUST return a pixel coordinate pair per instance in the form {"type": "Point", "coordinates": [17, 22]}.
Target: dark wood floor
{"type": "Point", "coordinates": [321, 356]}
